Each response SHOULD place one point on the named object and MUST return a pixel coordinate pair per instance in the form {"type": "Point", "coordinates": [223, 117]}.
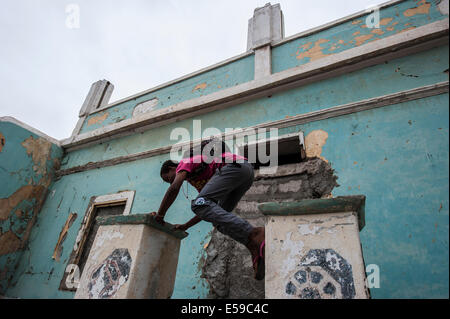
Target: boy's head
{"type": "Point", "coordinates": [168, 169]}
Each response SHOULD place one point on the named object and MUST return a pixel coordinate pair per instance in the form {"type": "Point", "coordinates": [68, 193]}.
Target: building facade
{"type": "Point", "coordinates": [367, 95]}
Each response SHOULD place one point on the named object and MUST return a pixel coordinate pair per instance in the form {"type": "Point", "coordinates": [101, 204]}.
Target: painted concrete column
{"type": "Point", "coordinates": [313, 250]}
{"type": "Point", "coordinates": [132, 257]}
{"type": "Point", "coordinates": [265, 27]}
{"type": "Point", "coordinates": [98, 96]}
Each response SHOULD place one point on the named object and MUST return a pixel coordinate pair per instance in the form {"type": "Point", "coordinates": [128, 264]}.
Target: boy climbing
{"type": "Point", "coordinates": [221, 182]}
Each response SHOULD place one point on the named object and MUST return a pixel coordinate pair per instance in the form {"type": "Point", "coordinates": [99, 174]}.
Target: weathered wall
{"type": "Point", "coordinates": [27, 164]}
{"type": "Point", "coordinates": [228, 266]}
{"type": "Point", "coordinates": [398, 18]}
{"type": "Point", "coordinates": [396, 155]}
{"type": "Point", "coordinates": [39, 275]}
{"type": "Point", "coordinates": [401, 17]}
{"type": "Point", "coordinates": [396, 75]}
{"type": "Point", "coordinates": [214, 80]}
{"type": "Point", "coordinates": [356, 146]}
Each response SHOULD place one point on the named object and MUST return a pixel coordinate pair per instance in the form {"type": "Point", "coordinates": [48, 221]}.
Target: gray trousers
{"type": "Point", "coordinates": [220, 196]}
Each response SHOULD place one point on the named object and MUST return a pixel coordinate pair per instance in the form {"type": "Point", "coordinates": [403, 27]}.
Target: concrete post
{"type": "Point", "coordinates": [313, 250]}
{"type": "Point", "coordinates": [265, 27]}
{"type": "Point", "coordinates": [98, 96]}
{"type": "Point", "coordinates": [132, 257]}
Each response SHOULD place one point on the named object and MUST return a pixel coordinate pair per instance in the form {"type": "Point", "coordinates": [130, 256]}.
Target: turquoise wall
{"type": "Point", "coordinates": [396, 155]}
{"type": "Point", "coordinates": [222, 77]}
{"type": "Point", "coordinates": [396, 75]}
{"type": "Point", "coordinates": [402, 17]}
{"type": "Point", "coordinates": [39, 275]}
{"type": "Point", "coordinates": [26, 166]}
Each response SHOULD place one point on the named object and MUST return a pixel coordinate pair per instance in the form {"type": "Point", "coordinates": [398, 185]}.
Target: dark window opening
{"type": "Point", "coordinates": [290, 150]}
{"type": "Point", "coordinates": [98, 211]}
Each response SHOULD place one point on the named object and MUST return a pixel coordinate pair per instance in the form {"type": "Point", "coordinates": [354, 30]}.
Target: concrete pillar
{"type": "Point", "coordinates": [132, 257]}
{"type": "Point", "coordinates": [98, 96]}
{"type": "Point", "coordinates": [313, 250]}
{"type": "Point", "coordinates": [265, 27]}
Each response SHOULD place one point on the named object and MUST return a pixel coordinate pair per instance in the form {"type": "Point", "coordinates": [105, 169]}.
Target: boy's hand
{"type": "Point", "coordinates": [158, 218]}
{"type": "Point", "coordinates": [181, 227]}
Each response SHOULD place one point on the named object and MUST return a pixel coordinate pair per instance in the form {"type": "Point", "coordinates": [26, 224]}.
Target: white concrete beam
{"type": "Point", "coordinates": [409, 42]}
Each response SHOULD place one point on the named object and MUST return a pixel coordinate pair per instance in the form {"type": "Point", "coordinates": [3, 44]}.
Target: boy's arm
{"type": "Point", "coordinates": [195, 220]}
{"type": "Point", "coordinates": [170, 196]}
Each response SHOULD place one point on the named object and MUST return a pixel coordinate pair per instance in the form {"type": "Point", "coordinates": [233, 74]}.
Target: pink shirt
{"type": "Point", "coordinates": [190, 164]}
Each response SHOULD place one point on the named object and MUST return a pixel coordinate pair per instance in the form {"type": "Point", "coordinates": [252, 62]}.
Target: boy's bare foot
{"type": "Point", "coordinates": [256, 247]}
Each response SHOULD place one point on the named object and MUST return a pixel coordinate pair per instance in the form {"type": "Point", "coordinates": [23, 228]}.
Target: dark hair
{"type": "Point", "coordinates": [167, 165]}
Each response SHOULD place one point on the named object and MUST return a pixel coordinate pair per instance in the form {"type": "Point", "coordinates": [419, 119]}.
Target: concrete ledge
{"type": "Point", "coordinates": [355, 203]}
{"type": "Point", "coordinates": [372, 53]}
{"type": "Point", "coordinates": [137, 219]}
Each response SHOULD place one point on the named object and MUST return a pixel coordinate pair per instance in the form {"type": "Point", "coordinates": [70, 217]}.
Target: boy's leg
{"type": "Point", "coordinates": [233, 198]}
{"type": "Point", "coordinates": [226, 186]}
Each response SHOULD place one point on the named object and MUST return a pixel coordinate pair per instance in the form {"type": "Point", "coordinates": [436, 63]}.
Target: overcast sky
{"type": "Point", "coordinates": [46, 67]}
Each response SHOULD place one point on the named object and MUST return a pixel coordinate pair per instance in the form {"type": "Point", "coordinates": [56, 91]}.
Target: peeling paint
{"type": "Point", "coordinates": [27, 164]}
{"type": "Point", "coordinates": [422, 8]}
{"type": "Point", "coordinates": [386, 21]}
{"type": "Point", "coordinates": [2, 141]}
{"type": "Point", "coordinates": [145, 107]}
{"type": "Point", "coordinates": [200, 86]}
{"type": "Point", "coordinates": [9, 242]}
{"type": "Point", "coordinates": [314, 142]}
{"type": "Point", "coordinates": [407, 29]}
{"type": "Point", "coordinates": [378, 31]}
{"type": "Point", "coordinates": [39, 149]}
{"type": "Point", "coordinates": [28, 192]}
{"type": "Point", "coordinates": [63, 235]}
{"type": "Point", "coordinates": [98, 119]}
{"type": "Point", "coordinates": [363, 38]}
{"type": "Point", "coordinates": [315, 52]}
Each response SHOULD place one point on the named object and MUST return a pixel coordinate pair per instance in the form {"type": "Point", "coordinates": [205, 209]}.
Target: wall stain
{"type": "Point", "coordinates": [378, 31]}
{"type": "Point", "coordinates": [363, 38]}
{"type": "Point", "coordinates": [9, 242]}
{"type": "Point", "coordinates": [315, 52]}
{"type": "Point", "coordinates": [98, 119]}
{"type": "Point", "coordinates": [314, 142]}
{"type": "Point", "coordinates": [63, 235]}
{"type": "Point", "coordinates": [27, 192]}
{"type": "Point", "coordinates": [422, 8]}
{"type": "Point", "coordinates": [386, 21]}
{"type": "Point", "coordinates": [200, 86]}
{"type": "Point", "coordinates": [2, 141]}
{"type": "Point", "coordinates": [39, 149]}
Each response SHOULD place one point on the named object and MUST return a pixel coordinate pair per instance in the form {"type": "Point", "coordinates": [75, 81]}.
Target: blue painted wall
{"type": "Point", "coordinates": [228, 75]}
{"type": "Point", "coordinates": [395, 155]}
{"type": "Point", "coordinates": [27, 163]}
{"type": "Point", "coordinates": [400, 74]}
{"type": "Point", "coordinates": [398, 157]}
{"type": "Point", "coordinates": [402, 17]}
